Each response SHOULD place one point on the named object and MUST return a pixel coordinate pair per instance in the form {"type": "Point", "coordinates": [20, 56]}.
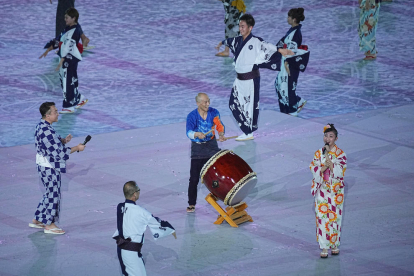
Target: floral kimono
{"type": "Point", "coordinates": [328, 191]}
{"type": "Point", "coordinates": [368, 20]}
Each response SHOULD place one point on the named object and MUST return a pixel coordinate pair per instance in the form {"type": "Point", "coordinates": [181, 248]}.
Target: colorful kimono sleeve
{"type": "Point", "coordinates": [159, 228]}
{"type": "Point", "coordinates": [339, 166]}
{"type": "Point", "coordinates": [316, 167]}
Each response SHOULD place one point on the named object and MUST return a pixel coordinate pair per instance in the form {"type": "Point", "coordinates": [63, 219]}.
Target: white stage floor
{"type": "Point", "coordinates": [377, 237]}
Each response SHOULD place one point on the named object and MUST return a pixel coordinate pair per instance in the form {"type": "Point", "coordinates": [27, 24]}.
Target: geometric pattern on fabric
{"type": "Point", "coordinates": [48, 209]}
{"type": "Point", "coordinates": [49, 145]}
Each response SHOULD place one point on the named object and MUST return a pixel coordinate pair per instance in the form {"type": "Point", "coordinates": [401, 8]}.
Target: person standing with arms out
{"type": "Point", "coordinates": [328, 168]}
{"type": "Point", "coordinates": [368, 20]}
{"type": "Point", "coordinates": [200, 130]}
{"type": "Point", "coordinates": [287, 79]}
{"type": "Point", "coordinates": [234, 10]}
{"type": "Point", "coordinates": [70, 54]}
{"type": "Point", "coordinates": [250, 54]}
{"type": "Point", "coordinates": [51, 156]}
{"type": "Point", "coordinates": [132, 221]}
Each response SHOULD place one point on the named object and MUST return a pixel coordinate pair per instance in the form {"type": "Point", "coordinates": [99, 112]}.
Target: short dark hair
{"type": "Point", "coordinates": [297, 14]}
{"type": "Point", "coordinates": [72, 12]}
{"type": "Point", "coordinates": [130, 188]}
{"type": "Point", "coordinates": [45, 107]}
{"type": "Point", "coordinates": [331, 129]}
{"type": "Point", "coordinates": [248, 18]}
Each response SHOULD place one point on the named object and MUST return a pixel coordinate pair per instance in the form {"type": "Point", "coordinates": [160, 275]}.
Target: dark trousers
{"type": "Point", "coordinates": [196, 166]}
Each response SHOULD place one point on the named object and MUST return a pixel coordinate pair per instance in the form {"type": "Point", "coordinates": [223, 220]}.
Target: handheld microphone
{"type": "Point", "coordinates": [324, 149]}
{"type": "Point", "coordinates": [87, 139]}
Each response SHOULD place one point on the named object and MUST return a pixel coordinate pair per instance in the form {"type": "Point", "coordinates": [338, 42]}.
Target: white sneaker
{"type": "Point", "coordinates": [82, 102]}
{"type": "Point", "coordinates": [301, 104]}
{"type": "Point", "coordinates": [67, 110]}
{"type": "Point", "coordinates": [245, 137]}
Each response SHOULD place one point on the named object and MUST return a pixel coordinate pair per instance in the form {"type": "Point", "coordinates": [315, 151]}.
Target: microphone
{"type": "Point", "coordinates": [87, 139]}
{"type": "Point", "coordinates": [323, 150]}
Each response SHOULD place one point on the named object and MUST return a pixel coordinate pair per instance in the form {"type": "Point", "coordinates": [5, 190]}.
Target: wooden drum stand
{"type": "Point", "coordinates": [234, 215]}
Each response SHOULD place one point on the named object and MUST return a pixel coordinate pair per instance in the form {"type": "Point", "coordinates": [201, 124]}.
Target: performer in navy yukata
{"type": "Point", "coordinates": [200, 130]}
{"type": "Point", "coordinates": [51, 156]}
{"type": "Point", "coordinates": [62, 7]}
{"type": "Point", "coordinates": [70, 54]}
{"type": "Point", "coordinates": [287, 80]}
{"type": "Point", "coordinates": [132, 221]}
{"type": "Point", "coordinates": [250, 54]}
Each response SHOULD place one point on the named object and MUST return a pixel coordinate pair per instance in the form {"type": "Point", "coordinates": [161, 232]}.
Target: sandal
{"type": "Point", "coordinates": [324, 255]}
{"type": "Point", "coordinates": [190, 209]}
{"type": "Point", "coordinates": [56, 231]}
{"type": "Point", "coordinates": [37, 225]}
{"type": "Point", "coordinates": [222, 54]}
{"type": "Point", "coordinates": [335, 251]}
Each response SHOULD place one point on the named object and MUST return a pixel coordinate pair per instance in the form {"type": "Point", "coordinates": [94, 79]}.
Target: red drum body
{"type": "Point", "coordinates": [228, 177]}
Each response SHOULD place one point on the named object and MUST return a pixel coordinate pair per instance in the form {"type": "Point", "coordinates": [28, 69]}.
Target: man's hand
{"type": "Point", "coordinates": [175, 236]}
{"type": "Point", "coordinates": [286, 52]}
{"type": "Point", "coordinates": [199, 135]}
{"type": "Point", "coordinates": [80, 147]}
{"type": "Point", "coordinates": [221, 137]}
{"type": "Point", "coordinates": [68, 138]}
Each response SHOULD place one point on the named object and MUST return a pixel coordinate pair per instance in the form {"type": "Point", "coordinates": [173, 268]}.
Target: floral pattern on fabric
{"type": "Point", "coordinates": [329, 197]}
{"type": "Point", "coordinates": [367, 29]}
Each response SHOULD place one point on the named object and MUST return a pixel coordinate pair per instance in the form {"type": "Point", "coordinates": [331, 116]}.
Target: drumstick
{"type": "Point", "coordinates": [231, 137]}
{"type": "Point", "coordinates": [208, 132]}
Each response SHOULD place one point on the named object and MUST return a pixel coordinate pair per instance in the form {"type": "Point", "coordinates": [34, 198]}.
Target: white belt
{"type": "Point", "coordinates": [42, 161]}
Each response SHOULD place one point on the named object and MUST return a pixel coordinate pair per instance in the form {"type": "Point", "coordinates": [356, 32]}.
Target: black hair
{"type": "Point", "coordinates": [130, 188]}
{"type": "Point", "coordinates": [72, 12]}
{"type": "Point", "coordinates": [331, 129]}
{"type": "Point", "coordinates": [45, 107]}
{"type": "Point", "coordinates": [297, 14]}
{"type": "Point", "coordinates": [248, 18]}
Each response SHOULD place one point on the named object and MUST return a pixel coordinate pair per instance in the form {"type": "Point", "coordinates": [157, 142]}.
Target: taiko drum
{"type": "Point", "coordinates": [228, 177]}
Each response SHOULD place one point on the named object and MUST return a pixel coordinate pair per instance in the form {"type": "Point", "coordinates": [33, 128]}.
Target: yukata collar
{"type": "Point", "coordinates": [130, 201]}
{"type": "Point", "coordinates": [45, 122]}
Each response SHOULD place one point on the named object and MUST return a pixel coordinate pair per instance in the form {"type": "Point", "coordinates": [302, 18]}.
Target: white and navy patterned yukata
{"type": "Point", "coordinates": [70, 49]}
{"type": "Point", "coordinates": [51, 162]}
{"type": "Point", "coordinates": [132, 221]}
{"type": "Point", "coordinates": [249, 55]}
{"type": "Point", "coordinates": [286, 84]}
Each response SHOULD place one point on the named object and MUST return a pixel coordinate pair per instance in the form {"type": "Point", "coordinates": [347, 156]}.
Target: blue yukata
{"type": "Point", "coordinates": [132, 221]}
{"type": "Point", "coordinates": [201, 149]}
{"type": "Point", "coordinates": [51, 156]}
{"type": "Point", "coordinates": [70, 49]}
{"type": "Point", "coordinates": [368, 21]}
{"type": "Point", "coordinates": [286, 85]}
